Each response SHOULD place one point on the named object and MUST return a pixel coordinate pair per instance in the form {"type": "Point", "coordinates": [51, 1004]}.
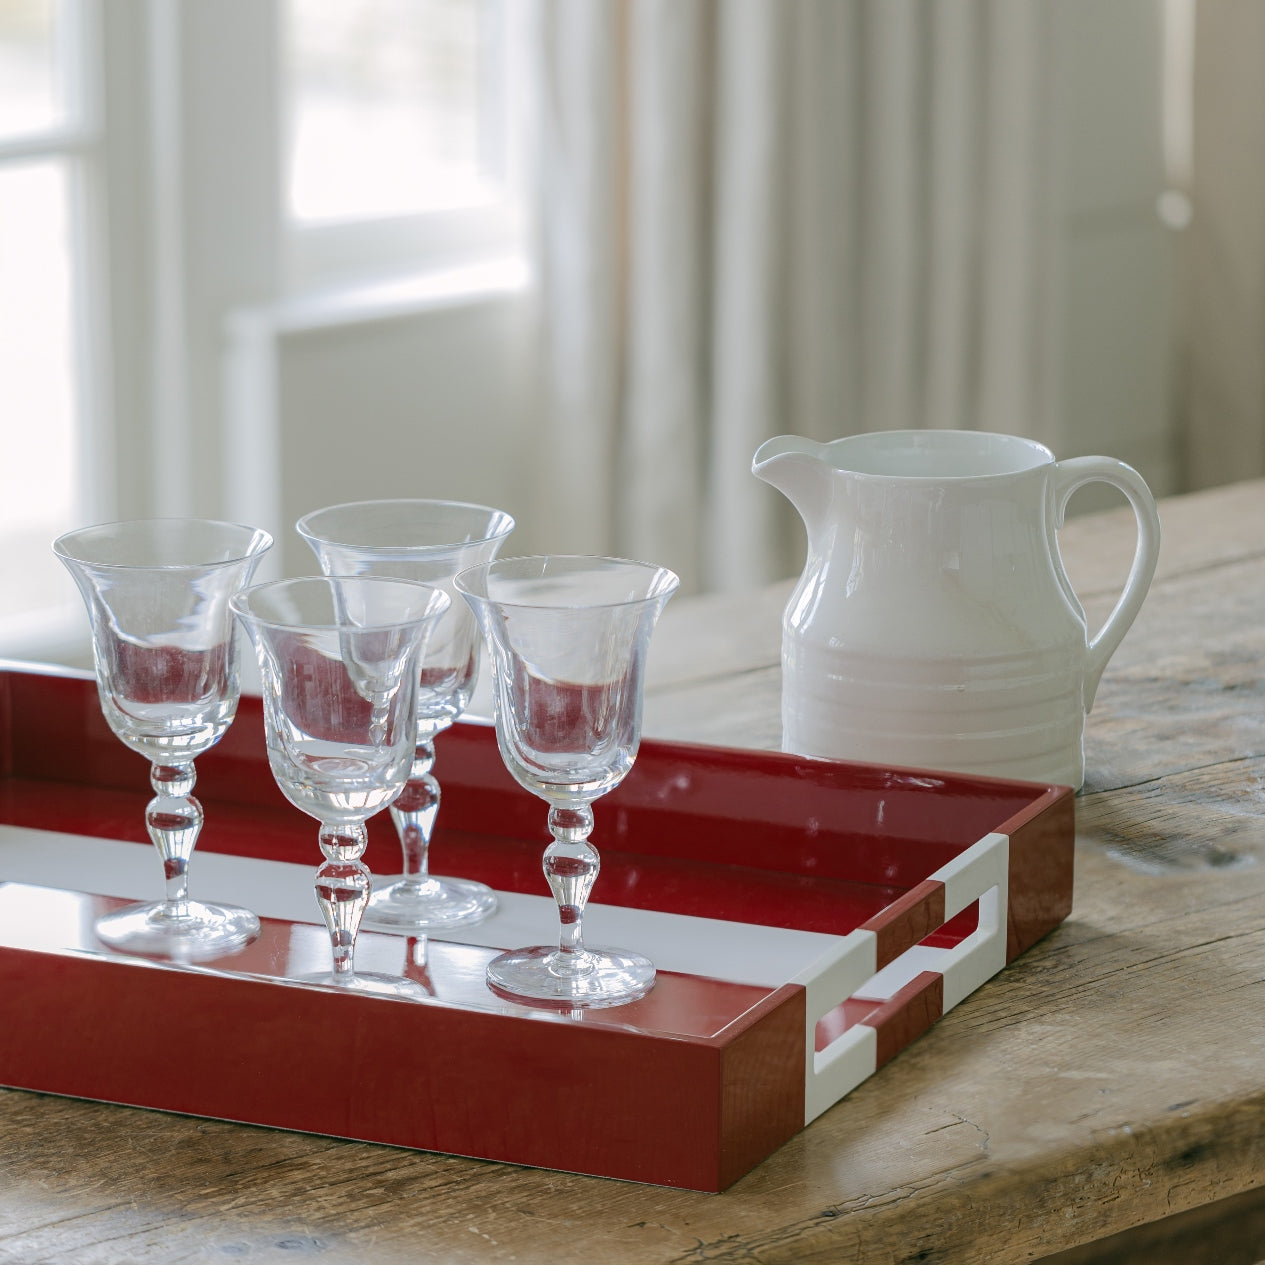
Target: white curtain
{"type": "Point", "coordinates": [757, 217]}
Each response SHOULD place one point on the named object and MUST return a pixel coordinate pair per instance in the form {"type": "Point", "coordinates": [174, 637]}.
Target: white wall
{"type": "Point", "coordinates": [436, 404]}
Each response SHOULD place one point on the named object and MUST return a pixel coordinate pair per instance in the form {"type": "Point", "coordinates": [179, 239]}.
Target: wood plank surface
{"type": "Point", "coordinates": [1113, 1076]}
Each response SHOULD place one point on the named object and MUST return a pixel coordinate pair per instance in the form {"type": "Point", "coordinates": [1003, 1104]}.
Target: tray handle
{"type": "Point", "coordinates": [911, 983]}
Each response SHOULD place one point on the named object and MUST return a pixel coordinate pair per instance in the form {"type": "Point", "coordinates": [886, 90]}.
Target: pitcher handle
{"type": "Point", "coordinates": [1074, 473]}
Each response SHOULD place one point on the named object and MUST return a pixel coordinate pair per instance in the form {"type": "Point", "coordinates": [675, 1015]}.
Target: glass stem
{"type": "Point", "coordinates": [571, 864]}
{"type": "Point", "coordinates": [414, 812]}
{"type": "Point", "coordinates": [342, 890]}
{"type": "Point", "coordinates": [174, 818]}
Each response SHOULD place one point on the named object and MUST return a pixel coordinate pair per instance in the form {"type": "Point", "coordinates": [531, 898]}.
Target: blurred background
{"type": "Point", "coordinates": [578, 258]}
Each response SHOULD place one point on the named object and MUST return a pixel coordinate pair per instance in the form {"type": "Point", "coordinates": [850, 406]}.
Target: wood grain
{"type": "Point", "coordinates": [1113, 1076]}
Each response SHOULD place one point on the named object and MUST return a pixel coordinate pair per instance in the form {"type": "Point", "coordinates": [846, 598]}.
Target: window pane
{"type": "Point", "coordinates": [383, 106]}
{"type": "Point", "coordinates": [37, 366]}
{"type": "Point", "coordinates": [30, 96]}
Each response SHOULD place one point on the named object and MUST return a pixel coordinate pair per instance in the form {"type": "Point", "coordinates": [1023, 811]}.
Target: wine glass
{"type": "Point", "coordinates": [428, 541]}
{"type": "Point", "coordinates": [339, 661]}
{"type": "Point", "coordinates": [157, 593]}
{"type": "Point", "coordinates": [568, 638]}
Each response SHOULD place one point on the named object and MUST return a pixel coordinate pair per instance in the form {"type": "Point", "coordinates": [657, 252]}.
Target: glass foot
{"type": "Point", "coordinates": [197, 933]}
{"type": "Point", "coordinates": [371, 983]}
{"type": "Point", "coordinates": [593, 977]}
{"type": "Point", "coordinates": [437, 905]}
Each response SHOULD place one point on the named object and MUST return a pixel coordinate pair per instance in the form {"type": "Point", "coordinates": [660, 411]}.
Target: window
{"type": "Point", "coordinates": [397, 150]}
{"type": "Point", "coordinates": [166, 168]}
{"type": "Point", "coordinates": [370, 82]}
{"type": "Point", "coordinates": [47, 141]}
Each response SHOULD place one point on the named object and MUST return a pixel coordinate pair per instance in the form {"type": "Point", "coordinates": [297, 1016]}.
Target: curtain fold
{"type": "Point", "coordinates": [767, 216]}
{"type": "Point", "coordinates": [1015, 160]}
{"type": "Point", "coordinates": [747, 293]}
{"type": "Point", "coordinates": [578, 119]}
{"type": "Point", "coordinates": [953, 246]}
{"type": "Point", "coordinates": [1225, 249]}
{"type": "Point", "coordinates": [663, 443]}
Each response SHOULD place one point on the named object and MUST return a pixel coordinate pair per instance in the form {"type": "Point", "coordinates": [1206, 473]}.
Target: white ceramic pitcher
{"type": "Point", "coordinates": [934, 624]}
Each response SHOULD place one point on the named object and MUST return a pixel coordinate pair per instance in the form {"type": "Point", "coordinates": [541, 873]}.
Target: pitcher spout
{"type": "Point", "coordinates": [800, 469]}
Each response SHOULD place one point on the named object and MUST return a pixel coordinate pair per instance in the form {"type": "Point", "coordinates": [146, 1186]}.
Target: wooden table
{"type": "Point", "coordinates": [1112, 1077]}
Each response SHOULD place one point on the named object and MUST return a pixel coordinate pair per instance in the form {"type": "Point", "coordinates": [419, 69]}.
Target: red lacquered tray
{"type": "Point", "coordinates": [809, 919]}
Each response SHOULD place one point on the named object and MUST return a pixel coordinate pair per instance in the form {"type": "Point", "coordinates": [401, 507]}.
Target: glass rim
{"type": "Point", "coordinates": [672, 580]}
{"type": "Point", "coordinates": [304, 527]}
{"type": "Point", "coordinates": [238, 603]}
{"type": "Point", "coordinates": [259, 538]}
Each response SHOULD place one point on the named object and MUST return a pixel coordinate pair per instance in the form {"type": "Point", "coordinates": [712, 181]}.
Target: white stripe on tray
{"type": "Point", "coordinates": [735, 952]}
